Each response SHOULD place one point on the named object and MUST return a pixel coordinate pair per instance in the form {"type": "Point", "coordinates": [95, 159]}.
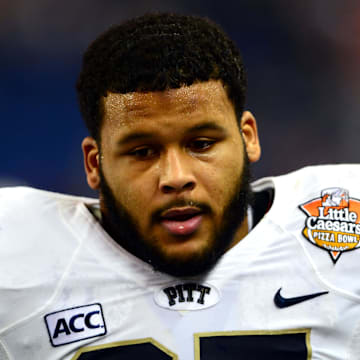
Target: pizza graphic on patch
{"type": "Point", "coordinates": [333, 222]}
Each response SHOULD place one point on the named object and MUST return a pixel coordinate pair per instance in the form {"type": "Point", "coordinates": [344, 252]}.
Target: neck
{"type": "Point", "coordinates": [240, 233]}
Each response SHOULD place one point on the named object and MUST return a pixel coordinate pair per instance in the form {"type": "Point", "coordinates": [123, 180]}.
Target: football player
{"type": "Point", "coordinates": [180, 257]}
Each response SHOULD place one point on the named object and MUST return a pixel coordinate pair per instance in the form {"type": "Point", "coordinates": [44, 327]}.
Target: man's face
{"type": "Point", "coordinates": [173, 174]}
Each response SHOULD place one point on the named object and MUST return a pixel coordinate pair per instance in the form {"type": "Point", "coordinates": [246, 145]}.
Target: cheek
{"type": "Point", "coordinates": [220, 180]}
{"type": "Point", "coordinates": [125, 186]}
{"type": "Point", "coordinates": [130, 196]}
{"type": "Point", "coordinates": [134, 195]}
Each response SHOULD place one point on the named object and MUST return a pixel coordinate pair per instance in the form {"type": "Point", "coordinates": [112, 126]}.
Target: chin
{"type": "Point", "coordinates": [188, 259]}
{"type": "Point", "coordinates": [186, 250]}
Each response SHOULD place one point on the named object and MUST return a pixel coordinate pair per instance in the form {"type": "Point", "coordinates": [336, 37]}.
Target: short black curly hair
{"type": "Point", "coordinates": [156, 52]}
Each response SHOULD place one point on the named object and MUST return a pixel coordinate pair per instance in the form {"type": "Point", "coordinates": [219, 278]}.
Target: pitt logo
{"type": "Point", "coordinates": [187, 296]}
{"type": "Point", "coordinates": [333, 222]}
{"type": "Point", "coordinates": [75, 324]}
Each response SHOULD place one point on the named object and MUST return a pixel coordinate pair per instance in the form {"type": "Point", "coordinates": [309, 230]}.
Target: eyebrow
{"type": "Point", "coordinates": [144, 135]}
{"type": "Point", "coordinates": [206, 126]}
{"type": "Point", "coordinates": [140, 135]}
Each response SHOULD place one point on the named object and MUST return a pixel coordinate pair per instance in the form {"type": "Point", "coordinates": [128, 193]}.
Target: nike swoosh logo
{"type": "Point", "coordinates": [282, 302]}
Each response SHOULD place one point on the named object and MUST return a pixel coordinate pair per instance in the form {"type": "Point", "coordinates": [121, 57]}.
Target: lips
{"type": "Point", "coordinates": [181, 221]}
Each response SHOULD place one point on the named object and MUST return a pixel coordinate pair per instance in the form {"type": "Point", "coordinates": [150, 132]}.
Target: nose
{"type": "Point", "coordinates": [176, 175]}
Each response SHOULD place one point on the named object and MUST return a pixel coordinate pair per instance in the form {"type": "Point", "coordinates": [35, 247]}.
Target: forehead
{"type": "Point", "coordinates": [200, 100]}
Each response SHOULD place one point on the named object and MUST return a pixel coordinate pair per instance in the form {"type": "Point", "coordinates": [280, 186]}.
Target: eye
{"type": "Point", "coordinates": [201, 144]}
{"type": "Point", "coordinates": [143, 153]}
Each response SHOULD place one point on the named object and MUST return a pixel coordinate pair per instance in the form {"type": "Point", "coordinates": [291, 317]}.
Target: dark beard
{"type": "Point", "coordinates": [123, 229]}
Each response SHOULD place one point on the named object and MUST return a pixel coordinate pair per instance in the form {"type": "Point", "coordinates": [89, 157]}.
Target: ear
{"type": "Point", "coordinates": [250, 135]}
{"type": "Point", "coordinates": [91, 162]}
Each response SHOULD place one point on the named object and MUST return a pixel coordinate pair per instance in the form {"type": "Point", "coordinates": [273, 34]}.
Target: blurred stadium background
{"type": "Point", "coordinates": [302, 59]}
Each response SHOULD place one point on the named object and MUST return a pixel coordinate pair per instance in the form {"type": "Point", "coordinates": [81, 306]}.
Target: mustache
{"type": "Point", "coordinates": [203, 207]}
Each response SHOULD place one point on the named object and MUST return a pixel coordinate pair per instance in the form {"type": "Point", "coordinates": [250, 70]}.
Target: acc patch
{"type": "Point", "coordinates": [75, 324]}
{"type": "Point", "coordinates": [332, 222]}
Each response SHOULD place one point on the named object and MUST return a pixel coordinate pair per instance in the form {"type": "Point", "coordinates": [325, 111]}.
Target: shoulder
{"type": "Point", "coordinates": [311, 177]}
{"type": "Point", "coordinates": [29, 216]}
{"type": "Point", "coordinates": [31, 219]}
{"type": "Point", "coordinates": [296, 187]}
{"type": "Point", "coordinates": [23, 196]}
{"type": "Point", "coordinates": [323, 175]}
{"type": "Point", "coordinates": [21, 205]}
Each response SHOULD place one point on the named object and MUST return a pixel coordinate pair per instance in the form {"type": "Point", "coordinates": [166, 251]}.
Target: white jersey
{"type": "Point", "coordinates": [68, 291]}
